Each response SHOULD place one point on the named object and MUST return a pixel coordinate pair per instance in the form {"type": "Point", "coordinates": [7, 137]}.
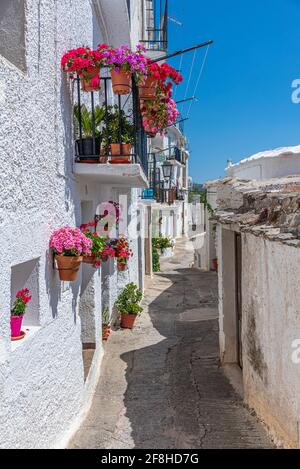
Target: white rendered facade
{"type": "Point", "coordinates": [44, 393]}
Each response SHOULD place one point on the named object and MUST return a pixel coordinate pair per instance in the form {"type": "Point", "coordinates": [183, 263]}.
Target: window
{"type": "Point", "coordinates": [12, 32]}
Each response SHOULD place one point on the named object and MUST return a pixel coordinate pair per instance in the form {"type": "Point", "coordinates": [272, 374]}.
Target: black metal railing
{"type": "Point", "coordinates": [156, 25]}
{"type": "Point", "coordinates": [101, 120]}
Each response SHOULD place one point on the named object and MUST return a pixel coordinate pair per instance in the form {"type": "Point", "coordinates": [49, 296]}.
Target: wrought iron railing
{"type": "Point", "coordinates": [156, 19]}
{"type": "Point", "coordinates": [101, 119]}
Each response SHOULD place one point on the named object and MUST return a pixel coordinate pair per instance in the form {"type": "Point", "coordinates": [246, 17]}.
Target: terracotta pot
{"type": "Point", "coordinates": [120, 155]}
{"type": "Point", "coordinates": [90, 260]}
{"type": "Point", "coordinates": [85, 80]}
{"type": "Point", "coordinates": [148, 89]}
{"type": "Point", "coordinates": [68, 267]}
{"type": "Point", "coordinates": [122, 266]}
{"type": "Point", "coordinates": [121, 81]}
{"type": "Point", "coordinates": [15, 326]}
{"type": "Point", "coordinates": [105, 331]}
{"type": "Point", "coordinates": [127, 320]}
{"type": "Point", "coordinates": [215, 264]}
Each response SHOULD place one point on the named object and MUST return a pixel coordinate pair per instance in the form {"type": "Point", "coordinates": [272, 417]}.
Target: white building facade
{"type": "Point", "coordinates": [47, 379]}
{"type": "Point", "coordinates": [45, 383]}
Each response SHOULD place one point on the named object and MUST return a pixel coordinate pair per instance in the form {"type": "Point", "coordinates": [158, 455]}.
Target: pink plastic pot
{"type": "Point", "coordinates": [15, 325]}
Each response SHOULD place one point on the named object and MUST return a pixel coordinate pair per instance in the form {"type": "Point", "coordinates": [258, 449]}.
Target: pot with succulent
{"type": "Point", "coordinates": [69, 246]}
{"type": "Point", "coordinates": [88, 147]}
{"type": "Point", "coordinates": [105, 324]}
{"type": "Point", "coordinates": [128, 304]}
{"type": "Point", "coordinates": [123, 64]}
{"type": "Point", "coordinates": [98, 246]}
{"type": "Point", "coordinates": [120, 132]}
{"type": "Point", "coordinates": [17, 313]}
{"type": "Point", "coordinates": [86, 64]}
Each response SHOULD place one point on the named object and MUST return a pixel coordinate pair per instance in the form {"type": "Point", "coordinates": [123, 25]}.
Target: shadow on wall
{"type": "Point", "coordinates": [52, 284]}
{"type": "Point", "coordinates": [65, 152]}
{"type": "Point", "coordinates": [161, 391]}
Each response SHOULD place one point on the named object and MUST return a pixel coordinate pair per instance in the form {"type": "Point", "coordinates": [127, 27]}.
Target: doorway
{"type": "Point", "coordinates": [238, 290]}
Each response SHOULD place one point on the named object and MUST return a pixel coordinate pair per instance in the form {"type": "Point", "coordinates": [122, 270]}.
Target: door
{"type": "Point", "coordinates": [238, 282]}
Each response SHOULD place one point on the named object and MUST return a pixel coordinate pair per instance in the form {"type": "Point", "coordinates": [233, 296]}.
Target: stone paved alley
{"type": "Point", "coordinates": [161, 385]}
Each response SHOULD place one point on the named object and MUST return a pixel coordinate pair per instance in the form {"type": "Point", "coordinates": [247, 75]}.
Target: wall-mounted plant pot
{"type": "Point", "coordinates": [86, 151]}
{"type": "Point", "coordinates": [105, 331]}
{"type": "Point", "coordinates": [68, 267]}
{"type": "Point", "coordinates": [121, 81]}
{"type": "Point", "coordinates": [122, 266]}
{"type": "Point", "coordinates": [151, 134]}
{"type": "Point", "coordinates": [127, 320]}
{"type": "Point", "coordinates": [86, 77]}
{"type": "Point", "coordinates": [91, 260]}
{"type": "Point", "coordinates": [120, 155]}
{"type": "Point", "coordinates": [148, 89]}
{"type": "Point", "coordinates": [15, 327]}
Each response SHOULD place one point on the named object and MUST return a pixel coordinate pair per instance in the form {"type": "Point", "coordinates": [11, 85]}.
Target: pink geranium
{"type": "Point", "coordinates": [69, 241]}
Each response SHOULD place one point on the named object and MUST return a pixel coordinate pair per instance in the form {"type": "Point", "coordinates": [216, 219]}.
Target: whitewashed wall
{"type": "Point", "coordinates": [271, 313]}
{"type": "Point", "coordinates": [42, 388]}
{"type": "Point", "coordinates": [270, 325]}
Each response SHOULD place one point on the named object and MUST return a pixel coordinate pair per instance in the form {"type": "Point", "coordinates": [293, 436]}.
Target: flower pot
{"type": "Point", "coordinates": [91, 260]}
{"type": "Point", "coordinates": [215, 264]}
{"type": "Point", "coordinates": [121, 81]}
{"type": "Point", "coordinates": [151, 134]}
{"type": "Point", "coordinates": [15, 326]}
{"type": "Point", "coordinates": [68, 267]}
{"type": "Point", "coordinates": [86, 151]}
{"type": "Point", "coordinates": [120, 155]}
{"type": "Point", "coordinates": [127, 320]}
{"type": "Point", "coordinates": [122, 266]}
{"type": "Point", "coordinates": [148, 89]}
{"type": "Point", "coordinates": [105, 331]}
{"type": "Point", "coordinates": [88, 80]}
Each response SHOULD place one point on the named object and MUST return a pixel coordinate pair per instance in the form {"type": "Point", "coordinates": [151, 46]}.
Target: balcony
{"type": "Point", "coordinates": [155, 36]}
{"type": "Point", "coordinates": [110, 142]}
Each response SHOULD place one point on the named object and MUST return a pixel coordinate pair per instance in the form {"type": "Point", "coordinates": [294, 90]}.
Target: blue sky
{"type": "Point", "coordinates": [244, 96]}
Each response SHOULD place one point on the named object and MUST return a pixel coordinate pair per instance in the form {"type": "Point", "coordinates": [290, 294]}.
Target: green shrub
{"type": "Point", "coordinates": [163, 242]}
{"type": "Point", "coordinates": [155, 256]}
{"type": "Point", "coordinates": [128, 301]}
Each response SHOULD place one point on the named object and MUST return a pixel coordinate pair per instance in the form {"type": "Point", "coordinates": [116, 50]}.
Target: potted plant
{"type": "Point", "coordinates": [98, 244]}
{"type": "Point", "coordinates": [164, 244]}
{"type": "Point", "coordinates": [121, 135]}
{"type": "Point", "coordinates": [17, 313]}
{"type": "Point", "coordinates": [124, 63]}
{"type": "Point", "coordinates": [86, 63]}
{"type": "Point", "coordinates": [128, 304]}
{"type": "Point", "coordinates": [69, 245]}
{"type": "Point", "coordinates": [122, 252]}
{"type": "Point", "coordinates": [105, 324]}
{"type": "Point", "coordinates": [85, 147]}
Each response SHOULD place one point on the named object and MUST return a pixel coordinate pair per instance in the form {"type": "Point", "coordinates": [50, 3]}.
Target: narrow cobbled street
{"type": "Point", "coordinates": [161, 385]}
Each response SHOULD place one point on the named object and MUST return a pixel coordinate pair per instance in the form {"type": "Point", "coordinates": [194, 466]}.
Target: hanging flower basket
{"type": "Point", "coordinates": [147, 90]}
{"type": "Point", "coordinates": [69, 246]}
{"type": "Point", "coordinates": [118, 155]}
{"type": "Point", "coordinates": [121, 81]}
{"type": "Point", "coordinates": [90, 81]}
